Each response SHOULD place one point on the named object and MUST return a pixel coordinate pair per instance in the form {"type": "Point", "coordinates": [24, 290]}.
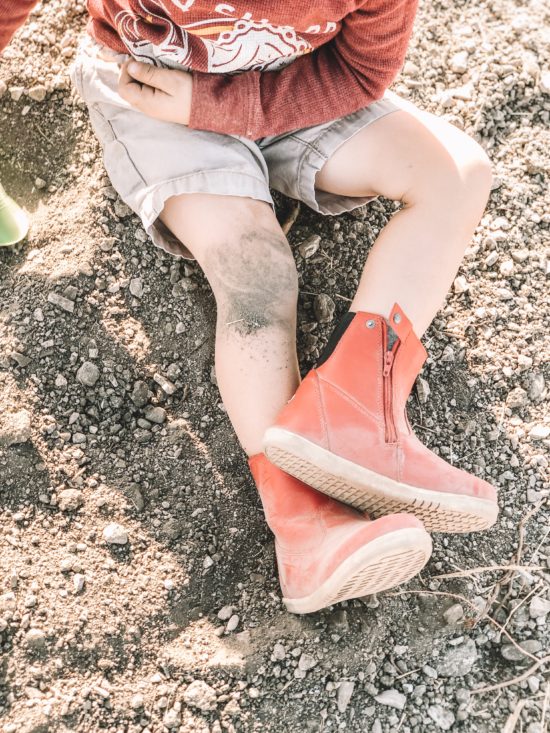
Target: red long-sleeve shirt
{"type": "Point", "coordinates": [259, 68]}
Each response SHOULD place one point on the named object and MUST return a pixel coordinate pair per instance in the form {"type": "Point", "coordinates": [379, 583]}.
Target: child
{"type": "Point", "coordinates": [225, 99]}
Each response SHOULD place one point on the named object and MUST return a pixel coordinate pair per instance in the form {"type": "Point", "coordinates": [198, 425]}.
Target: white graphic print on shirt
{"type": "Point", "coordinates": [233, 44]}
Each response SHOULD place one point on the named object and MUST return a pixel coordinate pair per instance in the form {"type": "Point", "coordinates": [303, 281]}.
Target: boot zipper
{"type": "Point", "coordinates": [391, 433]}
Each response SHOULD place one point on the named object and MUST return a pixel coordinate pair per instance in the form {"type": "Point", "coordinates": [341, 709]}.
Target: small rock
{"type": "Point", "coordinates": [140, 394]}
{"type": "Point", "coordinates": [15, 428]}
{"type": "Point", "coordinates": [38, 93]}
{"type": "Point", "coordinates": [536, 387]}
{"type": "Point", "coordinates": [200, 695]}
{"type": "Point", "coordinates": [454, 614]}
{"type": "Point", "coordinates": [8, 601]}
{"type": "Point", "coordinates": [441, 716]}
{"type": "Point", "coordinates": [78, 582]}
{"type": "Point", "coordinates": [544, 82]}
{"type": "Point", "coordinates": [16, 93]}
{"type": "Point", "coordinates": [165, 384]}
{"type": "Point", "coordinates": [136, 287]}
{"type": "Point", "coordinates": [422, 390]}
{"type": "Point", "coordinates": [524, 362]}
{"type": "Point", "coordinates": [345, 691]}
{"type": "Point", "coordinates": [324, 308]}
{"type": "Point", "coordinates": [309, 246]}
{"type": "Point", "coordinates": [155, 414]}
{"type": "Point", "coordinates": [232, 623]}
{"type": "Point", "coordinates": [516, 398]}
{"type": "Point", "coordinates": [539, 432]}
{"type": "Point", "coordinates": [459, 62]}
{"type": "Point", "coordinates": [35, 640]}
{"type": "Point", "coordinates": [69, 500]}
{"type": "Point", "coordinates": [392, 698]}
{"type": "Point", "coordinates": [279, 652]}
{"type": "Point", "coordinates": [135, 496]}
{"type": "Point", "coordinates": [459, 660]}
{"type": "Point", "coordinates": [61, 302]}
{"type": "Point", "coordinates": [88, 374]}
{"type": "Point", "coordinates": [306, 662]}
{"type": "Point", "coordinates": [137, 702]}
{"type": "Point", "coordinates": [513, 654]}
{"type": "Point", "coordinates": [225, 613]}
{"type": "Point", "coordinates": [172, 718]}
{"type": "Point", "coordinates": [171, 529]}
{"type": "Point", "coordinates": [60, 382]}
{"type": "Point", "coordinates": [539, 607]}
{"type": "Point", "coordinates": [115, 534]}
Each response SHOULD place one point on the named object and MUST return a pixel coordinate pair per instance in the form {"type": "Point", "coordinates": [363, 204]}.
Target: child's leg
{"type": "Point", "coordinates": [443, 178]}
{"type": "Point", "coordinates": [246, 258]}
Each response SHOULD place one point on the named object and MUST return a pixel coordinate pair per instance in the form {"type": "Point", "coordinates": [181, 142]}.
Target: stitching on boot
{"type": "Point", "coordinates": [352, 401]}
{"type": "Point", "coordinates": [321, 411]}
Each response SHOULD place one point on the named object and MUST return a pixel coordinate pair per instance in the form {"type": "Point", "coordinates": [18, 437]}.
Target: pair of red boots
{"type": "Point", "coordinates": [344, 439]}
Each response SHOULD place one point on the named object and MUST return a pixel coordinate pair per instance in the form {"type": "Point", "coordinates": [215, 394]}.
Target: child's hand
{"type": "Point", "coordinates": [161, 93]}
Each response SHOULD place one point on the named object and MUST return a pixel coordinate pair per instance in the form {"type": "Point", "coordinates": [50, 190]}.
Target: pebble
{"type": "Point", "coordinates": [88, 374]}
{"type": "Point", "coordinates": [459, 62]}
{"type": "Point", "coordinates": [539, 607]}
{"type": "Point", "coordinates": [61, 302]}
{"type": "Point", "coordinates": [225, 613]}
{"type": "Point", "coordinates": [454, 614]}
{"type": "Point", "coordinates": [279, 652]}
{"type": "Point", "coordinates": [38, 93]}
{"type": "Point", "coordinates": [392, 698]}
{"type": "Point", "coordinates": [137, 701]}
{"type": "Point", "coordinates": [140, 394]}
{"type": "Point", "coordinates": [306, 662]}
{"type": "Point", "coordinates": [539, 432]}
{"type": "Point", "coordinates": [8, 601]}
{"type": "Point", "coordinates": [524, 362]}
{"type": "Point", "coordinates": [35, 640]}
{"type": "Point", "coordinates": [232, 623]}
{"type": "Point", "coordinates": [513, 654]}
{"type": "Point", "coordinates": [537, 387]}
{"type": "Point", "coordinates": [516, 398]}
{"type": "Point", "coordinates": [324, 308]}
{"type": "Point", "coordinates": [345, 691]}
{"type": "Point", "coordinates": [115, 534]}
{"type": "Point", "coordinates": [544, 82]}
{"type": "Point", "coordinates": [78, 582]}
{"type": "Point", "coordinates": [136, 287]}
{"type": "Point", "coordinates": [309, 246]}
{"type": "Point", "coordinates": [16, 428]}
{"type": "Point", "coordinates": [200, 695]}
{"type": "Point", "coordinates": [69, 500]}
{"type": "Point", "coordinates": [422, 390]}
{"type": "Point", "coordinates": [459, 660]}
{"type": "Point", "coordinates": [165, 384]}
{"type": "Point", "coordinates": [155, 414]}
{"type": "Point", "coordinates": [441, 716]}
{"type": "Point", "coordinates": [60, 382]}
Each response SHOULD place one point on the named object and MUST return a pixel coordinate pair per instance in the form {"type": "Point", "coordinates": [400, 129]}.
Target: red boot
{"type": "Point", "coordinates": [328, 552]}
{"type": "Point", "coordinates": [345, 432]}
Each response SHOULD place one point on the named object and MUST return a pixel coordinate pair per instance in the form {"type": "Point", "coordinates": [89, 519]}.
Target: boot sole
{"type": "Point", "coordinates": [383, 563]}
{"type": "Point", "coordinates": [372, 492]}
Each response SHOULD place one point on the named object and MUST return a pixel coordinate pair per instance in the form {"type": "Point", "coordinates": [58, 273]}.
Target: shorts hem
{"type": "Point", "coordinates": [217, 183]}
{"type": "Point", "coordinates": [320, 150]}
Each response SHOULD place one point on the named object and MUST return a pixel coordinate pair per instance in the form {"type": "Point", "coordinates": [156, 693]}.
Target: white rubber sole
{"type": "Point", "coordinates": [383, 563]}
{"type": "Point", "coordinates": [371, 492]}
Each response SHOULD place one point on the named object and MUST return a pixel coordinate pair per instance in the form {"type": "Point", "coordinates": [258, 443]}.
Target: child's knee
{"type": "Point", "coordinates": [254, 279]}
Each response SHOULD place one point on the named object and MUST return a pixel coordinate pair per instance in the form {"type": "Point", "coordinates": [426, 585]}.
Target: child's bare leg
{"type": "Point", "coordinates": [247, 260]}
{"type": "Point", "coordinates": [443, 178]}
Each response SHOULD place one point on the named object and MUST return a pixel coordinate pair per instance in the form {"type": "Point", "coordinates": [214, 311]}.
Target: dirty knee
{"type": "Point", "coordinates": [254, 280]}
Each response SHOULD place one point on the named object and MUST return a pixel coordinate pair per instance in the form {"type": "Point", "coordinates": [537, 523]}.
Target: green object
{"type": "Point", "coordinates": [14, 223]}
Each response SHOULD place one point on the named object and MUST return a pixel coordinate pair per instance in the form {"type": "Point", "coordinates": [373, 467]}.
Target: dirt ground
{"type": "Point", "coordinates": [180, 626]}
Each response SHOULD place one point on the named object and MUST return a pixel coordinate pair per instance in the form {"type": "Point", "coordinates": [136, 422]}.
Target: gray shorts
{"type": "Point", "coordinates": [149, 161]}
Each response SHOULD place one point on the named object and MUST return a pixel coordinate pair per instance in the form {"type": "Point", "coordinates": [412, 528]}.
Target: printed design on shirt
{"type": "Point", "coordinates": [232, 43]}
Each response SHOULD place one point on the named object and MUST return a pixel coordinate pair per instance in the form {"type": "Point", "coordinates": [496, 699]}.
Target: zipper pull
{"type": "Point", "coordinates": [388, 361]}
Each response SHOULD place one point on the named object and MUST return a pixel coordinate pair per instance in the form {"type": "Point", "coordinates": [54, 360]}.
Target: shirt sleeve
{"type": "Point", "coordinates": [13, 13]}
{"type": "Point", "coordinates": [349, 72]}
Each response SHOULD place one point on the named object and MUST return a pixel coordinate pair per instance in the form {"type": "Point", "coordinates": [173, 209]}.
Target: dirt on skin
{"type": "Point", "coordinates": [138, 585]}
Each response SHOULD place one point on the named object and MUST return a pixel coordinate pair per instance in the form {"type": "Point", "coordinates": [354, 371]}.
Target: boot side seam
{"type": "Point", "coordinates": [352, 401]}
{"type": "Point", "coordinates": [321, 411]}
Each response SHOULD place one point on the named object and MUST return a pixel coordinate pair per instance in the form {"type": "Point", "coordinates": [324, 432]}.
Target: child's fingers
{"type": "Point", "coordinates": [151, 75]}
